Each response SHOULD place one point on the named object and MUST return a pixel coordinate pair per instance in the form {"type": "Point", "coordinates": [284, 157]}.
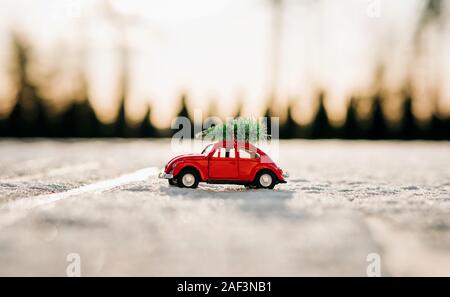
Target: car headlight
{"type": "Point", "coordinates": [173, 167]}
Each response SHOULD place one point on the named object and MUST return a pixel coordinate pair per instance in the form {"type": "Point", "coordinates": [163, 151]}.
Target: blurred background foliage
{"type": "Point", "coordinates": [33, 112]}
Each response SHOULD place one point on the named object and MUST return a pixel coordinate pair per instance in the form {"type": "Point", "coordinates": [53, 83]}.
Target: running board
{"type": "Point", "coordinates": [235, 182]}
{"type": "Point", "coordinates": [226, 181]}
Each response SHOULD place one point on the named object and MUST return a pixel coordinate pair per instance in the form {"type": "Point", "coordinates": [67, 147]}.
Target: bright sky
{"type": "Point", "coordinates": [220, 50]}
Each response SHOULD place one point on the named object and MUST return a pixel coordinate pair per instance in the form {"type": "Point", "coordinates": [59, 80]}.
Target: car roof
{"type": "Point", "coordinates": [232, 144]}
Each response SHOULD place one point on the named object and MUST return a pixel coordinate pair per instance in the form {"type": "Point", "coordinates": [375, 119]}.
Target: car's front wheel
{"type": "Point", "coordinates": [188, 179]}
{"type": "Point", "coordinates": [265, 179]}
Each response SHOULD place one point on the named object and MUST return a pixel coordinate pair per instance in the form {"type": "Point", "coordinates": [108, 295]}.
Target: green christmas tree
{"type": "Point", "coordinates": [237, 129]}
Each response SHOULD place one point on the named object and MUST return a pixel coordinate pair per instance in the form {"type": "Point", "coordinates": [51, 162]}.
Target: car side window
{"type": "Point", "coordinates": [216, 154]}
{"type": "Point", "coordinates": [227, 153]}
{"type": "Point", "coordinates": [244, 154]}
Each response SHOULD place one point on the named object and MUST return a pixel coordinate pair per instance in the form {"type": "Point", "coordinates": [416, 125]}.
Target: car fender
{"type": "Point", "coordinates": [183, 165]}
{"type": "Point", "coordinates": [266, 167]}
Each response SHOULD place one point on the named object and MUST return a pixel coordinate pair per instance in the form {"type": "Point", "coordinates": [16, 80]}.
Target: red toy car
{"type": "Point", "coordinates": [225, 162]}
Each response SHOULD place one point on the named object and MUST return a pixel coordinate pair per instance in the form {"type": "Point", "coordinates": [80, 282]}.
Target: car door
{"type": "Point", "coordinates": [248, 160]}
{"type": "Point", "coordinates": [223, 164]}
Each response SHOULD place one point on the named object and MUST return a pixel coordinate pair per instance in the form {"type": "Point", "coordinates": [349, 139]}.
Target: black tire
{"type": "Point", "coordinates": [172, 182]}
{"type": "Point", "coordinates": [259, 183]}
{"type": "Point", "coordinates": [182, 183]}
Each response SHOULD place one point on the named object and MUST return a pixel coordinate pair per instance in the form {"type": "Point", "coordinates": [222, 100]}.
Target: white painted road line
{"type": "Point", "coordinates": [35, 201]}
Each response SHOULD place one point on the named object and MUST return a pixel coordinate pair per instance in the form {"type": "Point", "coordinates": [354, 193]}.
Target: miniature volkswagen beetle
{"type": "Point", "coordinates": [225, 162]}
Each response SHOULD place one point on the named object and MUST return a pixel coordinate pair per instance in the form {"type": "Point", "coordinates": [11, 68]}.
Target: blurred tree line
{"type": "Point", "coordinates": [31, 116]}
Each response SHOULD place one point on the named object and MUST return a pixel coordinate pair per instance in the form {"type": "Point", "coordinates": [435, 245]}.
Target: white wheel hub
{"type": "Point", "coordinates": [265, 180]}
{"type": "Point", "coordinates": [188, 179]}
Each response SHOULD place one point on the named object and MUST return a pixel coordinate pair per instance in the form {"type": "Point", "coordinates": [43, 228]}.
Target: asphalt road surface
{"type": "Point", "coordinates": [345, 204]}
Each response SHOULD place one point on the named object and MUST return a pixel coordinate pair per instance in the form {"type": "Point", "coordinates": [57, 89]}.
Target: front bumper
{"type": "Point", "coordinates": [162, 174]}
{"type": "Point", "coordinates": [284, 175]}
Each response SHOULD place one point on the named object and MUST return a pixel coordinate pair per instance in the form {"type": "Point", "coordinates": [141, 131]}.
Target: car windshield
{"type": "Point", "coordinates": [207, 149]}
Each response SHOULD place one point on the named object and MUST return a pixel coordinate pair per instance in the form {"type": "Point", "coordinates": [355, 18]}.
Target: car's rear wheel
{"type": "Point", "coordinates": [265, 179]}
{"type": "Point", "coordinates": [188, 179]}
